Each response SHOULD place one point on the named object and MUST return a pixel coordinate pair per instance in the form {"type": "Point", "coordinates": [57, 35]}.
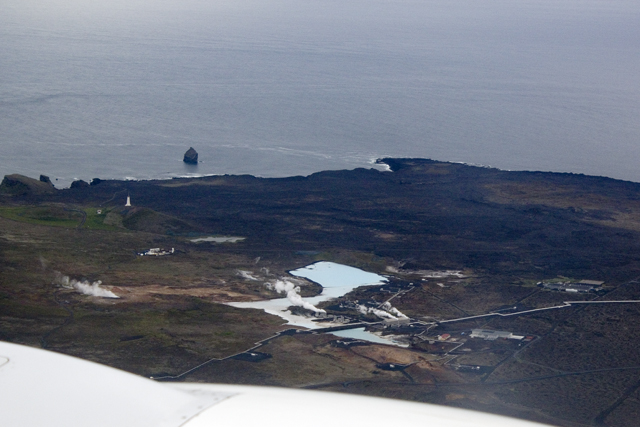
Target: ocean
{"type": "Point", "coordinates": [272, 88]}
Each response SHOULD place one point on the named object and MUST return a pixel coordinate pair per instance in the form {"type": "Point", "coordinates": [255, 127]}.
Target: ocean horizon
{"type": "Point", "coordinates": [280, 88]}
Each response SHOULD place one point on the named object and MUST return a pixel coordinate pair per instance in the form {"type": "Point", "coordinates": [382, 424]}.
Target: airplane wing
{"type": "Point", "coordinates": [44, 388]}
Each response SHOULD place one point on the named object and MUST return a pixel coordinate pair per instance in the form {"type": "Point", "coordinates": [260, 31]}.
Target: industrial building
{"type": "Point", "coordinates": [395, 323]}
{"type": "Point", "coordinates": [490, 335]}
{"type": "Point", "coordinates": [582, 286]}
{"type": "Point", "coordinates": [157, 252]}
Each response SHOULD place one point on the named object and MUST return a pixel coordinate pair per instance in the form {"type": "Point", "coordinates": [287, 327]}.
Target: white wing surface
{"type": "Point", "coordinates": [43, 388]}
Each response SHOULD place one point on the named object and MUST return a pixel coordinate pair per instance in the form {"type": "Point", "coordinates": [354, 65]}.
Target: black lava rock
{"type": "Point", "coordinates": [79, 184]}
{"type": "Point", "coordinates": [45, 178]}
{"type": "Point", "coordinates": [191, 156]}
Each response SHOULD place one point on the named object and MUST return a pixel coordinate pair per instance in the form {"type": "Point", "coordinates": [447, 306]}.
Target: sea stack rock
{"type": "Point", "coordinates": [191, 156]}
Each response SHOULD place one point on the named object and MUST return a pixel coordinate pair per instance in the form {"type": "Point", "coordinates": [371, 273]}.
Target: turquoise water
{"type": "Point", "coordinates": [336, 280]}
{"type": "Point", "coordinates": [361, 334]}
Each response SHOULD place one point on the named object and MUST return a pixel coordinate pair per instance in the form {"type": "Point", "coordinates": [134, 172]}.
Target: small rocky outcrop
{"type": "Point", "coordinates": [191, 156]}
{"type": "Point", "coordinates": [20, 185]}
{"type": "Point", "coordinates": [79, 184]}
{"type": "Point", "coordinates": [45, 179]}
{"type": "Point", "coordinates": [96, 181]}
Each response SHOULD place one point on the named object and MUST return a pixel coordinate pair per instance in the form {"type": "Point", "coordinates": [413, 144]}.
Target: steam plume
{"type": "Point", "coordinates": [380, 313]}
{"type": "Point", "coordinates": [84, 287]}
{"type": "Point", "coordinates": [247, 275]}
{"type": "Point", "coordinates": [293, 294]}
{"type": "Point", "coordinates": [387, 306]}
{"type": "Point", "coordinates": [386, 311]}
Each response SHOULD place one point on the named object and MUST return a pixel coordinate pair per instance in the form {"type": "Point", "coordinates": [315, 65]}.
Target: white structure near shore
{"type": "Point", "coordinates": [157, 252]}
{"type": "Point", "coordinates": [494, 335]}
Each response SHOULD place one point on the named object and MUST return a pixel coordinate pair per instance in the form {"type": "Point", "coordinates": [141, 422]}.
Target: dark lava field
{"type": "Point", "coordinates": [502, 232]}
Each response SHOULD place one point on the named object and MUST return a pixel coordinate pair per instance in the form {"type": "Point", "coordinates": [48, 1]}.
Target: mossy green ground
{"type": "Point", "coordinates": [58, 216]}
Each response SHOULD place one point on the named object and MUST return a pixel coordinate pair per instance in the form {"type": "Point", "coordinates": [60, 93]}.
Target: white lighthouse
{"type": "Point", "coordinates": [128, 201]}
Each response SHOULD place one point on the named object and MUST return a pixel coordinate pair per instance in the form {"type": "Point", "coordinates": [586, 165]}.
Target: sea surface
{"type": "Point", "coordinates": [122, 88]}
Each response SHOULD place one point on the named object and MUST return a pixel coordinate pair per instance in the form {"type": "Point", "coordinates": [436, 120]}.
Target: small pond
{"type": "Point", "coordinates": [361, 334]}
{"type": "Point", "coordinates": [221, 239]}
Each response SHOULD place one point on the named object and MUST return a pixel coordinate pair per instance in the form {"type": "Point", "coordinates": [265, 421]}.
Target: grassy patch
{"type": "Point", "coordinates": [58, 216]}
{"type": "Point", "coordinates": [95, 220]}
{"type": "Point", "coordinates": [53, 216]}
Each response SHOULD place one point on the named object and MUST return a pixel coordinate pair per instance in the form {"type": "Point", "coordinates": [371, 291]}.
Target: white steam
{"type": "Point", "coordinates": [93, 289]}
{"type": "Point", "coordinates": [84, 287]}
{"type": "Point", "coordinates": [387, 306]}
{"type": "Point", "coordinates": [386, 311]}
{"type": "Point", "coordinates": [293, 294]}
{"type": "Point", "coordinates": [380, 313]}
{"type": "Point", "coordinates": [247, 275]}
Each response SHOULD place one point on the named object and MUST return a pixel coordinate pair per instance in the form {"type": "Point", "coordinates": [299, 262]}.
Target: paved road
{"type": "Point", "coordinates": [565, 304]}
{"type": "Point", "coordinates": [114, 196]}
{"type": "Point", "coordinates": [255, 347]}
{"type": "Point", "coordinates": [81, 212]}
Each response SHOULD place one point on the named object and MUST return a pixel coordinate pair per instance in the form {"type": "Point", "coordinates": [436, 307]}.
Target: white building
{"type": "Point", "coordinates": [490, 335]}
